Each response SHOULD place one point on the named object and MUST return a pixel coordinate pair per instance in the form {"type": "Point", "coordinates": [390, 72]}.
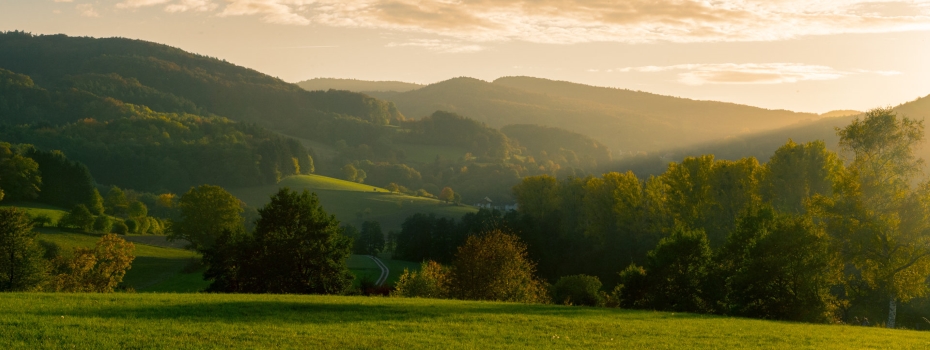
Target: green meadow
{"type": "Point", "coordinates": [353, 202]}
{"type": "Point", "coordinates": [218, 321]}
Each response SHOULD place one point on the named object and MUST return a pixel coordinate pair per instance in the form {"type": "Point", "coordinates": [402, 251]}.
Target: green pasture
{"type": "Point", "coordinates": [217, 321]}
{"type": "Point", "coordinates": [353, 202]}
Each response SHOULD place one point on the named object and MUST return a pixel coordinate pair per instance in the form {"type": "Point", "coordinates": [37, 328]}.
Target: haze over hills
{"type": "Point", "coordinates": [624, 120]}
{"type": "Point", "coordinates": [355, 85]}
{"type": "Point", "coordinates": [763, 144]}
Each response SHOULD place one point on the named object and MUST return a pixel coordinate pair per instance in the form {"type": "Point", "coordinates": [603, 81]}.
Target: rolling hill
{"type": "Point", "coordinates": [355, 203]}
{"type": "Point", "coordinates": [168, 79]}
{"type": "Point", "coordinates": [356, 85]}
{"type": "Point", "coordinates": [624, 120]}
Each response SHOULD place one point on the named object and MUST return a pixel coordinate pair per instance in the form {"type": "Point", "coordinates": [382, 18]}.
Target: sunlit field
{"type": "Point", "coordinates": [172, 321]}
{"type": "Point", "coordinates": [354, 203]}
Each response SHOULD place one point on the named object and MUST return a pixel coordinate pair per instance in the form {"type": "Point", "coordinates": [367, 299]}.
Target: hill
{"type": "Point", "coordinates": [624, 120]}
{"type": "Point", "coordinates": [172, 321]}
{"type": "Point", "coordinates": [356, 85]}
{"type": "Point", "coordinates": [168, 79]}
{"type": "Point", "coordinates": [353, 202]}
{"type": "Point", "coordinates": [763, 145]}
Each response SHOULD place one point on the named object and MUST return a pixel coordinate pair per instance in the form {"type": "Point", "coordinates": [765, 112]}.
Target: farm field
{"type": "Point", "coordinates": [179, 321]}
{"type": "Point", "coordinates": [353, 202]}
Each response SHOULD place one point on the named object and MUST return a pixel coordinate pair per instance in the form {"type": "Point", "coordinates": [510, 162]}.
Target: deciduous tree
{"type": "Point", "coordinates": [205, 212]}
{"type": "Point", "coordinates": [880, 221]}
{"type": "Point", "coordinates": [495, 266]}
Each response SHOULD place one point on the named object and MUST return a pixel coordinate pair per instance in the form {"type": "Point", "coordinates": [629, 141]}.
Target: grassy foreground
{"type": "Point", "coordinates": [168, 321]}
{"type": "Point", "coordinates": [353, 202]}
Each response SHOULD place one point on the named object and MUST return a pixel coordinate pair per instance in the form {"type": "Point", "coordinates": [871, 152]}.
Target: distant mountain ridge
{"type": "Point", "coordinates": [355, 85]}
{"type": "Point", "coordinates": [625, 120]}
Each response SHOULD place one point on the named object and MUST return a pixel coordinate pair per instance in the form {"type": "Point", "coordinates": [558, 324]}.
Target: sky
{"type": "Point", "coordinates": [801, 55]}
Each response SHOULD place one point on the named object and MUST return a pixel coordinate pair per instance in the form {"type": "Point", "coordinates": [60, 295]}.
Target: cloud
{"type": "Point", "coordinates": [579, 21]}
{"type": "Point", "coordinates": [272, 11]}
{"type": "Point", "coordinates": [443, 46]}
{"type": "Point", "coordinates": [64, 0]}
{"type": "Point", "coordinates": [191, 5]}
{"type": "Point", "coordinates": [87, 10]}
{"type": "Point", "coordinates": [130, 4]}
{"type": "Point", "coordinates": [751, 73]}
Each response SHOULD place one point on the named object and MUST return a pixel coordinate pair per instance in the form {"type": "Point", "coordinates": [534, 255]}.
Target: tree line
{"type": "Point", "coordinates": [805, 236]}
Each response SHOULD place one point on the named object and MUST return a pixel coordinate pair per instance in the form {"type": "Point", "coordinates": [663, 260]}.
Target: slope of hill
{"type": "Point", "coordinates": [624, 120]}
{"type": "Point", "coordinates": [354, 203]}
{"type": "Point", "coordinates": [160, 76]}
{"type": "Point", "coordinates": [173, 321]}
{"type": "Point", "coordinates": [356, 85]}
{"type": "Point", "coordinates": [763, 145]}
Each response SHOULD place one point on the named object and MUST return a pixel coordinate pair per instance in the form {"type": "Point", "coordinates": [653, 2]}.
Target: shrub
{"type": "Point", "coordinates": [103, 224]}
{"type": "Point", "coordinates": [632, 292]}
{"type": "Point", "coordinates": [431, 282]}
{"type": "Point", "coordinates": [120, 228]}
{"type": "Point", "coordinates": [42, 220]}
{"type": "Point", "coordinates": [578, 290]}
{"type": "Point", "coordinates": [97, 270]}
{"type": "Point", "coordinates": [79, 217]}
{"type": "Point", "coordinates": [132, 226]}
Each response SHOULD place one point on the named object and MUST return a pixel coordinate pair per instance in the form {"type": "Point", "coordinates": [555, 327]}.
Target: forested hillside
{"type": "Point", "coordinates": [132, 146]}
{"type": "Point", "coordinates": [167, 79]}
{"type": "Point", "coordinates": [624, 120]}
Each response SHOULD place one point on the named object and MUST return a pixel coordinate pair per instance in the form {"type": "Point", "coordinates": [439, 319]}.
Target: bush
{"type": "Point", "coordinates": [120, 228]}
{"type": "Point", "coordinates": [632, 292]}
{"type": "Point", "coordinates": [97, 270]}
{"type": "Point", "coordinates": [79, 217]}
{"type": "Point", "coordinates": [431, 282]}
{"type": "Point", "coordinates": [132, 226]}
{"type": "Point", "coordinates": [103, 224]}
{"type": "Point", "coordinates": [578, 290]}
{"type": "Point", "coordinates": [42, 220]}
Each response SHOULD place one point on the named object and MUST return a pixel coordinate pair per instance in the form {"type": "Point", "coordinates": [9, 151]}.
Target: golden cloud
{"type": "Point", "coordinates": [577, 21]}
{"type": "Point", "coordinates": [750, 73]}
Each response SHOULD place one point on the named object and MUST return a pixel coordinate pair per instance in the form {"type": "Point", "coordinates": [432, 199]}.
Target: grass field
{"type": "Point", "coordinates": [179, 321]}
{"type": "Point", "coordinates": [353, 202]}
{"type": "Point", "coordinates": [35, 209]}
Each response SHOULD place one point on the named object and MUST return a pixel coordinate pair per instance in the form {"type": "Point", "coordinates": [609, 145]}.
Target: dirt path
{"type": "Point", "coordinates": [384, 270]}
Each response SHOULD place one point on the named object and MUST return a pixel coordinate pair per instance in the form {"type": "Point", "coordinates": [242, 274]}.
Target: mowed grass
{"type": "Point", "coordinates": [155, 269]}
{"type": "Point", "coordinates": [216, 321]}
{"type": "Point", "coordinates": [355, 203]}
{"type": "Point", "coordinates": [36, 209]}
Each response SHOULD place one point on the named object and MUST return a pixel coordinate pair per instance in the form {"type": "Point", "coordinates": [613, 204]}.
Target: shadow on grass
{"type": "Point", "coordinates": [333, 313]}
